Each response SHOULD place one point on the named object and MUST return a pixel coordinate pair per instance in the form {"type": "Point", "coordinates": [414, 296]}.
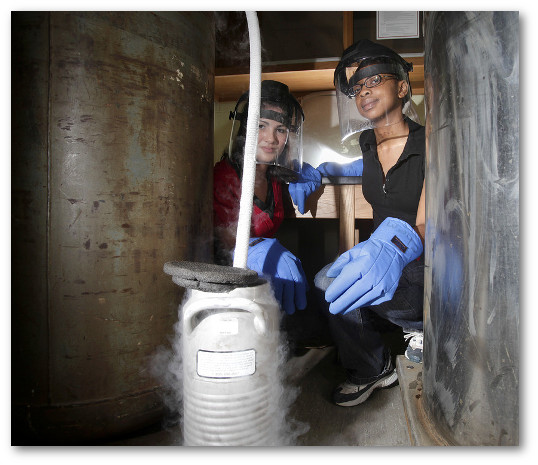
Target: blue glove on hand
{"type": "Point", "coordinates": [308, 181]}
{"type": "Point", "coordinates": [269, 258]}
{"type": "Point", "coordinates": [368, 274]}
{"type": "Point", "coordinates": [331, 168]}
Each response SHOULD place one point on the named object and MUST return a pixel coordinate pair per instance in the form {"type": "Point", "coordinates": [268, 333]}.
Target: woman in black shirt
{"type": "Point", "coordinates": [378, 284]}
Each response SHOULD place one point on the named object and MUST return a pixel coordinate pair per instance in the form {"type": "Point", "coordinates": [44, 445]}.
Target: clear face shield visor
{"type": "Point", "coordinates": [356, 112]}
{"type": "Point", "coordinates": [280, 137]}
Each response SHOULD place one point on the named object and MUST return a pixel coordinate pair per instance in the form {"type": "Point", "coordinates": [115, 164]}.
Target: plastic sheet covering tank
{"type": "Point", "coordinates": [111, 146]}
{"type": "Point", "coordinates": [471, 344]}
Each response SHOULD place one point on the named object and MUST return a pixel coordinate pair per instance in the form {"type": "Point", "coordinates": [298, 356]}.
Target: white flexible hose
{"type": "Point", "coordinates": [251, 144]}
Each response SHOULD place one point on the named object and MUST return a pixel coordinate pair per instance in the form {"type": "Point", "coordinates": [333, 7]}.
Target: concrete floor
{"type": "Point", "coordinates": [380, 421]}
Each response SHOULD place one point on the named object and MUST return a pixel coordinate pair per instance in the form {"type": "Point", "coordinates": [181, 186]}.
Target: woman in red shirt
{"type": "Point", "coordinates": [278, 156]}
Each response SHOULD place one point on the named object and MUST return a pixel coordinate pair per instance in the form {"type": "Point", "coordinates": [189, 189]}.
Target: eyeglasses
{"type": "Point", "coordinates": [372, 81]}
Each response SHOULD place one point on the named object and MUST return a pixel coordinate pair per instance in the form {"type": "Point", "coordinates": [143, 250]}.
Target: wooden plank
{"type": "Point", "coordinates": [324, 203]}
{"type": "Point", "coordinates": [280, 67]}
{"type": "Point", "coordinates": [231, 87]}
{"type": "Point", "coordinates": [347, 218]}
{"type": "Point", "coordinates": [416, 77]}
{"type": "Point", "coordinates": [347, 28]}
{"type": "Point", "coordinates": [363, 209]}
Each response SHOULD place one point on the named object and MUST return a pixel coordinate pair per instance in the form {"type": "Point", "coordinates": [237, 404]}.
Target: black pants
{"type": "Point", "coordinates": [358, 334]}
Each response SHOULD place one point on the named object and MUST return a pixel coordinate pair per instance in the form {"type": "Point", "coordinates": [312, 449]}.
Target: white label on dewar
{"type": "Point", "coordinates": [226, 364]}
{"type": "Point", "coordinates": [229, 327]}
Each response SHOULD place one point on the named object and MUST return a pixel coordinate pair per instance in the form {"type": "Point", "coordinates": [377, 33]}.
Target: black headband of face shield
{"type": "Point", "coordinates": [275, 116]}
{"type": "Point", "coordinates": [286, 117]}
{"type": "Point", "coordinates": [373, 69]}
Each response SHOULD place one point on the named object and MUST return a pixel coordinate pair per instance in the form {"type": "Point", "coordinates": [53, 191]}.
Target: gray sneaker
{"type": "Point", "coordinates": [414, 348]}
{"type": "Point", "coordinates": [349, 394]}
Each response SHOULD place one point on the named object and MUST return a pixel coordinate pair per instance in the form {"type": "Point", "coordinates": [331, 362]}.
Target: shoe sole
{"type": "Point", "coordinates": [383, 383]}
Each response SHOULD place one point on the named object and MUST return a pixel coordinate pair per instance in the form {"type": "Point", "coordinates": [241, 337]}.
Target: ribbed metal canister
{"type": "Point", "coordinates": [231, 368]}
{"type": "Point", "coordinates": [112, 123]}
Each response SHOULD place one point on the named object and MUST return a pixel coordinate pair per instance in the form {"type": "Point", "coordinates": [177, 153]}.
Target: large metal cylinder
{"type": "Point", "coordinates": [112, 123]}
{"type": "Point", "coordinates": [471, 341]}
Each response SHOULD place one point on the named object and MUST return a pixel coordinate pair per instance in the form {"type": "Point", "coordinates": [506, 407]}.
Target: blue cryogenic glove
{"type": "Point", "coordinates": [309, 180]}
{"type": "Point", "coordinates": [331, 168]}
{"type": "Point", "coordinates": [269, 258]}
{"type": "Point", "coordinates": [368, 274]}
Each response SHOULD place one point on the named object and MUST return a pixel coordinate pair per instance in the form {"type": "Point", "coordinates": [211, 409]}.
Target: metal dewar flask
{"type": "Point", "coordinates": [230, 360]}
{"type": "Point", "coordinates": [231, 388]}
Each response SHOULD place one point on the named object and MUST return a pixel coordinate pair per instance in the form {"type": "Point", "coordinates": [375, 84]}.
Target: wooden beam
{"type": "Point", "coordinates": [347, 29]}
{"type": "Point", "coordinates": [416, 77]}
{"type": "Point", "coordinates": [347, 193]}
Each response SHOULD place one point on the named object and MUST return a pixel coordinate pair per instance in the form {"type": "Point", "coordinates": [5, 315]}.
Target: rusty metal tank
{"type": "Point", "coordinates": [112, 150]}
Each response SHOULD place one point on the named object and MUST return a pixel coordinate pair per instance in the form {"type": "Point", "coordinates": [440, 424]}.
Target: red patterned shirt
{"type": "Point", "coordinates": [266, 219]}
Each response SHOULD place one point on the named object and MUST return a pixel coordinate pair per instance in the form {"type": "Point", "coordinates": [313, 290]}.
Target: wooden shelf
{"type": "Point", "coordinates": [231, 87]}
{"type": "Point", "coordinates": [306, 78]}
